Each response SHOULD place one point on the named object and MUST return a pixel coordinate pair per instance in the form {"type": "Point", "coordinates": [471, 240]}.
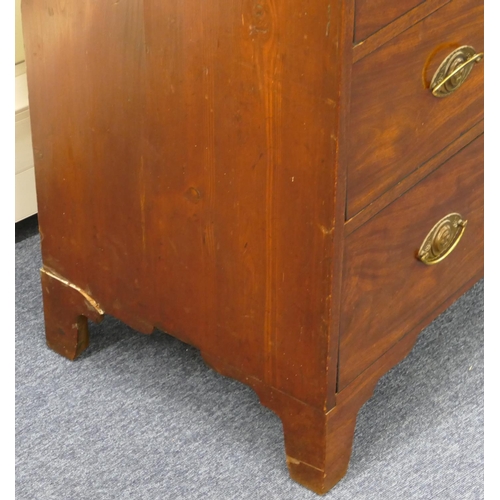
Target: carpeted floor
{"type": "Point", "coordinates": [142, 417]}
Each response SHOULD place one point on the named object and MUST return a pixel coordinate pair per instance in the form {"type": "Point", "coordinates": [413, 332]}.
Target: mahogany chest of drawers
{"type": "Point", "coordinates": [292, 186]}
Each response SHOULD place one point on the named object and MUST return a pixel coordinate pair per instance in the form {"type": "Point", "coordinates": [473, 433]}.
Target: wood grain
{"type": "Point", "coordinates": [398, 123]}
{"type": "Point", "coordinates": [345, 18]}
{"type": "Point", "coordinates": [388, 32]}
{"type": "Point", "coordinates": [318, 445]}
{"type": "Point", "coordinates": [389, 196]}
{"type": "Point", "coordinates": [386, 289]}
{"type": "Point", "coordinates": [372, 15]}
{"type": "Point", "coordinates": [185, 151]}
{"type": "Point", "coordinates": [193, 161]}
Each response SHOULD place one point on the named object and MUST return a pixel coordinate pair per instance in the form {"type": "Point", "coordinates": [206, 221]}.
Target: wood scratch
{"type": "Point", "coordinates": [294, 461]}
{"type": "Point", "coordinates": [325, 230]}
{"type": "Point", "coordinates": [86, 296]}
{"type": "Point", "coordinates": [142, 188]}
{"type": "Point", "coordinates": [329, 17]}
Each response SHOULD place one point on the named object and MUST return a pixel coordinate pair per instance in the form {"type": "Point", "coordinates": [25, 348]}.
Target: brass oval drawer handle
{"type": "Point", "coordinates": [442, 239]}
{"type": "Point", "coordinates": [454, 70]}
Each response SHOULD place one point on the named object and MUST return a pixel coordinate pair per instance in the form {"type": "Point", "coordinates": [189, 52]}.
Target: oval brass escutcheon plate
{"type": "Point", "coordinates": [454, 70]}
{"type": "Point", "coordinates": [442, 239]}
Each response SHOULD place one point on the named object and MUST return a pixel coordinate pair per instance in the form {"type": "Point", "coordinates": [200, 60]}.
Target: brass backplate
{"type": "Point", "coordinates": [454, 70]}
{"type": "Point", "coordinates": [442, 239]}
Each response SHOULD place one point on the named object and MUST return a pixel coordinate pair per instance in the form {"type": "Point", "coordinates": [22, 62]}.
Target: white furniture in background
{"type": "Point", "coordinates": [25, 171]}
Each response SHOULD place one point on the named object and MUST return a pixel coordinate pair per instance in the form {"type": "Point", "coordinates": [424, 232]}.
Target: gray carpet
{"type": "Point", "coordinates": [142, 417]}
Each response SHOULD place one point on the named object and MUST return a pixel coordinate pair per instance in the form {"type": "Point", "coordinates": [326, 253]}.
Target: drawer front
{"type": "Point", "coordinates": [372, 15]}
{"type": "Point", "coordinates": [386, 290]}
{"type": "Point", "coordinates": [396, 122]}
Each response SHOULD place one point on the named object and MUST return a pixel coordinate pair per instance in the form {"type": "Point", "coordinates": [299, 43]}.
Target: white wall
{"type": "Point", "coordinates": [19, 34]}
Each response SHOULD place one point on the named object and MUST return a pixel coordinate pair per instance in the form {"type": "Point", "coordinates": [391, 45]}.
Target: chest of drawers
{"type": "Point", "coordinates": [293, 187]}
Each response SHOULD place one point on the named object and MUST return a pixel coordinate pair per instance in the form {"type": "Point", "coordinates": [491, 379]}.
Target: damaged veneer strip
{"type": "Point", "coordinates": [67, 309]}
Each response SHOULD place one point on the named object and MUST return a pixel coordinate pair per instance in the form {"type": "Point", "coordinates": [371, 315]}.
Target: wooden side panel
{"type": "Point", "coordinates": [387, 291]}
{"type": "Point", "coordinates": [186, 166]}
{"type": "Point", "coordinates": [371, 15]}
{"type": "Point", "coordinates": [397, 123]}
